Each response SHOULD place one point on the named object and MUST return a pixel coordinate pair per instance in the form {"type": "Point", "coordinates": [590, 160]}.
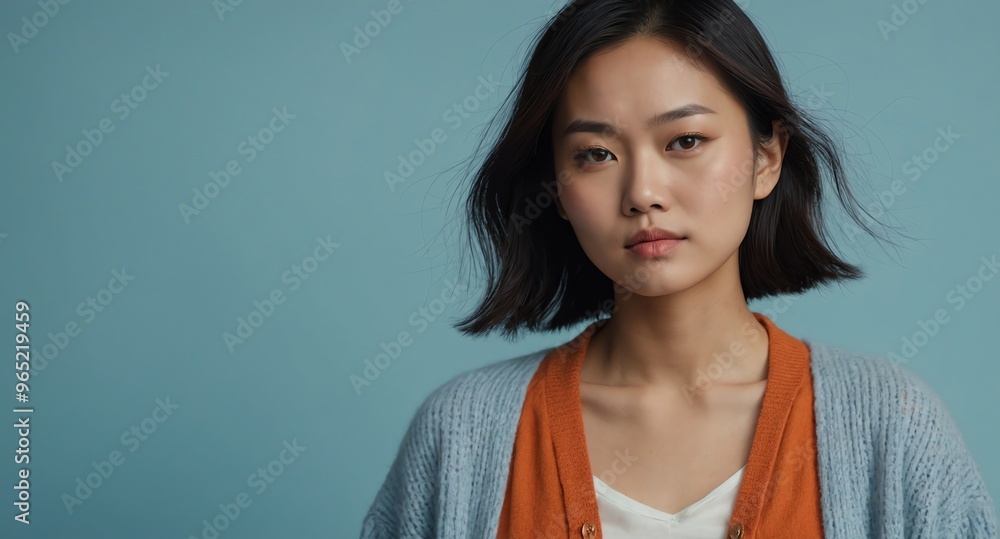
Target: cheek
{"type": "Point", "coordinates": [584, 204]}
{"type": "Point", "coordinates": [729, 184]}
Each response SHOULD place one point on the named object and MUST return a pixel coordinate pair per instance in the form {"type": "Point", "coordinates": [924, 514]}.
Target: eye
{"type": "Point", "coordinates": [688, 141]}
{"type": "Point", "coordinates": [602, 155]}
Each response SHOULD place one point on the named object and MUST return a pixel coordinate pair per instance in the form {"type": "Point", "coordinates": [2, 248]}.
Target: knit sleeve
{"type": "Point", "coordinates": [405, 504]}
{"type": "Point", "coordinates": [450, 472]}
{"type": "Point", "coordinates": [947, 495]}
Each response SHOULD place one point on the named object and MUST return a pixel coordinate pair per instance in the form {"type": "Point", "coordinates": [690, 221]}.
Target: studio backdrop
{"type": "Point", "coordinates": [236, 228]}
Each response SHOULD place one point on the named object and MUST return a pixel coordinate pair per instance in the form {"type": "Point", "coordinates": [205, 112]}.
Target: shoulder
{"type": "Point", "coordinates": [884, 388]}
{"type": "Point", "coordinates": [496, 379]}
{"type": "Point", "coordinates": [465, 424]}
{"type": "Point", "coordinates": [878, 412]}
{"type": "Point", "coordinates": [834, 364]}
{"type": "Point", "coordinates": [486, 395]}
{"type": "Point", "coordinates": [885, 392]}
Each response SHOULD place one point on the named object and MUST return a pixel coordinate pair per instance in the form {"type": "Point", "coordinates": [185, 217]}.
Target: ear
{"type": "Point", "coordinates": [769, 159]}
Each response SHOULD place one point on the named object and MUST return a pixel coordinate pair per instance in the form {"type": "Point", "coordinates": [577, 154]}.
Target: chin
{"type": "Point", "coordinates": [652, 281]}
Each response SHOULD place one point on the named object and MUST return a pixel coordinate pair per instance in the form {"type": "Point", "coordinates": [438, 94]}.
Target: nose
{"type": "Point", "coordinates": [645, 186]}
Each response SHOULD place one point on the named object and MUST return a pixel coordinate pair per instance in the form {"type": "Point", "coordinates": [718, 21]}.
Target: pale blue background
{"type": "Point", "coordinates": [323, 175]}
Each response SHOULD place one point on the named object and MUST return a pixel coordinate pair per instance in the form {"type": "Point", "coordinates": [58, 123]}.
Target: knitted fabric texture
{"type": "Point", "coordinates": [892, 462]}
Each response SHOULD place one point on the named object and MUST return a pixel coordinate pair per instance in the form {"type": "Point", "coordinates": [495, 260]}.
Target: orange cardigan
{"type": "Point", "coordinates": [550, 488]}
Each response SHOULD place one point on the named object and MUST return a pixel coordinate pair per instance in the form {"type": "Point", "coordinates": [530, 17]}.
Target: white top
{"type": "Point", "coordinates": [622, 517]}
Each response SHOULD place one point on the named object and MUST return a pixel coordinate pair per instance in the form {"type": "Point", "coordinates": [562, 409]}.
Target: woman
{"type": "Point", "coordinates": [655, 171]}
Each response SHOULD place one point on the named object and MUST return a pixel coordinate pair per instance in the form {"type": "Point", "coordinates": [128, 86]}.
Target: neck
{"type": "Point", "coordinates": [689, 339]}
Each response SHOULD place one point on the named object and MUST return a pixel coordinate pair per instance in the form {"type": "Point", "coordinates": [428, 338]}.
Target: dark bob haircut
{"type": "Point", "coordinates": [538, 276]}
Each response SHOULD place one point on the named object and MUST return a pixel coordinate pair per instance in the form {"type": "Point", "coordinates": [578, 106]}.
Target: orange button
{"type": "Point", "coordinates": [589, 530]}
{"type": "Point", "coordinates": [736, 531]}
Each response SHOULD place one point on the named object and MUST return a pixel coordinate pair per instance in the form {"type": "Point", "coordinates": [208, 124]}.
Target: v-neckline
{"type": "Point", "coordinates": [788, 364]}
{"type": "Point", "coordinates": [634, 505]}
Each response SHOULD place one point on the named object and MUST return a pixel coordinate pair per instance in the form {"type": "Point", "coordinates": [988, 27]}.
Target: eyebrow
{"type": "Point", "coordinates": [601, 128]}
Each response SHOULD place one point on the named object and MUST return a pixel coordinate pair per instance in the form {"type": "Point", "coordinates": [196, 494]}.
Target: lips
{"type": "Point", "coordinates": [652, 234]}
{"type": "Point", "coordinates": [653, 249]}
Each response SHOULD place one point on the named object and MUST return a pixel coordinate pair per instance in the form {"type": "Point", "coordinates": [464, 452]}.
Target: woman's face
{"type": "Point", "coordinates": [692, 173]}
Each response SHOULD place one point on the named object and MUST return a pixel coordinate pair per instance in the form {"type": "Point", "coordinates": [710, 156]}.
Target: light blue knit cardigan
{"type": "Point", "coordinates": [892, 462]}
